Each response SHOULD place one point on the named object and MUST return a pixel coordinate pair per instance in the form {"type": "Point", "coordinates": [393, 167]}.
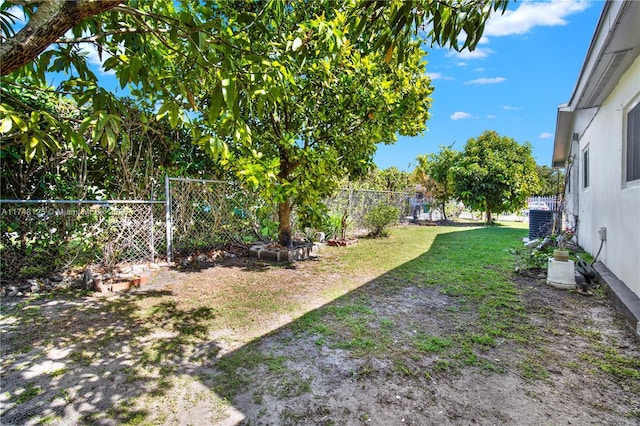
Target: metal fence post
{"type": "Point", "coordinates": [152, 242]}
{"type": "Point", "coordinates": [167, 218]}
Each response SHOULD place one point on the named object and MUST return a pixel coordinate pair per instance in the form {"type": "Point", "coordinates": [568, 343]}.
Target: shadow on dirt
{"type": "Point", "coordinates": [85, 357]}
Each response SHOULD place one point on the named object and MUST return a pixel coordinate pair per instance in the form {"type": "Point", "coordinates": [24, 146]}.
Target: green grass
{"type": "Point", "coordinates": [28, 393]}
{"type": "Point", "coordinates": [532, 369]}
{"type": "Point", "coordinates": [431, 344]}
{"type": "Point", "coordinates": [471, 266]}
{"type": "Point", "coordinates": [610, 361]}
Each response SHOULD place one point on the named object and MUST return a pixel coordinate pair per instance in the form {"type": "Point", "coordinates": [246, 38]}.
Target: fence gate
{"type": "Point", "coordinates": [203, 213]}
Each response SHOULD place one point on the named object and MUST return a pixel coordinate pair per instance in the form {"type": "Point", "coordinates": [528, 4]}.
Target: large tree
{"type": "Point", "coordinates": [495, 174]}
{"type": "Point", "coordinates": [339, 104]}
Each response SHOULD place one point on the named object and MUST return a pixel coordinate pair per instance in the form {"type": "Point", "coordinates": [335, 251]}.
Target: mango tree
{"type": "Point", "coordinates": [327, 120]}
{"type": "Point", "coordinates": [495, 174]}
{"type": "Point", "coordinates": [164, 52]}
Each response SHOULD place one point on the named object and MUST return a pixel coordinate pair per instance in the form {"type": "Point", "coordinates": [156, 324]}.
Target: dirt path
{"type": "Point", "coordinates": [94, 360]}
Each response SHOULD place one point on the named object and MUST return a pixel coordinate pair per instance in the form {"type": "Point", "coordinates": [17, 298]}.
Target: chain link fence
{"type": "Point", "coordinates": [42, 237]}
{"type": "Point", "coordinates": [38, 238]}
{"type": "Point", "coordinates": [207, 213]}
{"type": "Point", "coordinates": [356, 203]}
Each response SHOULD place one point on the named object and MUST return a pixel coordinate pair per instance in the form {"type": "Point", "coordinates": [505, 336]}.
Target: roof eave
{"type": "Point", "coordinates": [562, 141]}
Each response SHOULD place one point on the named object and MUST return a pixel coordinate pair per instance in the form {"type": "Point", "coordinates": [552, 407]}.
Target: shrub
{"type": "Point", "coordinates": [379, 218]}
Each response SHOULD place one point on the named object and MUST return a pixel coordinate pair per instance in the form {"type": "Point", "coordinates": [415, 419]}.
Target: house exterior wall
{"type": "Point", "coordinates": [608, 201]}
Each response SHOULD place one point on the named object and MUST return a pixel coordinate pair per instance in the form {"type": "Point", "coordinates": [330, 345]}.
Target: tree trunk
{"type": "Point", "coordinates": [51, 21]}
{"type": "Point", "coordinates": [284, 226]}
{"type": "Point", "coordinates": [489, 217]}
{"type": "Point", "coordinates": [444, 214]}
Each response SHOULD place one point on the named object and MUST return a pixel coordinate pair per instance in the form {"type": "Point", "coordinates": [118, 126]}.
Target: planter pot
{"type": "Point", "coordinates": [561, 274]}
{"type": "Point", "coordinates": [561, 255]}
{"type": "Point", "coordinates": [120, 286]}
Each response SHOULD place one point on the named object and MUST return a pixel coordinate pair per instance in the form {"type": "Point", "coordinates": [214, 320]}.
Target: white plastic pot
{"type": "Point", "coordinates": [560, 274]}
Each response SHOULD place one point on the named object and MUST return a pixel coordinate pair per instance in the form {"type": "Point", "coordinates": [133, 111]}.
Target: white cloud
{"type": "Point", "coordinates": [533, 14]}
{"type": "Point", "coordinates": [459, 115]}
{"type": "Point", "coordinates": [545, 135]}
{"type": "Point", "coordinates": [478, 53]}
{"type": "Point", "coordinates": [479, 69]}
{"type": "Point", "coordinates": [90, 51]}
{"type": "Point", "coordinates": [511, 108]}
{"type": "Point", "coordinates": [491, 116]}
{"type": "Point", "coordinates": [494, 80]}
{"type": "Point", "coordinates": [528, 15]}
{"type": "Point", "coordinates": [438, 76]}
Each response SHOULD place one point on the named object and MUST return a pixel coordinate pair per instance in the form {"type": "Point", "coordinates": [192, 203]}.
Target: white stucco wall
{"type": "Point", "coordinates": [609, 201]}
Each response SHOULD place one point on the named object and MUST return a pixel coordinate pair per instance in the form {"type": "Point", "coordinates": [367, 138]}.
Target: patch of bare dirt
{"type": "Point", "coordinates": [572, 332]}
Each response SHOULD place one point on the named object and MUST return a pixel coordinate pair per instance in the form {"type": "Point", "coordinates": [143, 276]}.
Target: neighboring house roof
{"type": "Point", "coordinates": [614, 47]}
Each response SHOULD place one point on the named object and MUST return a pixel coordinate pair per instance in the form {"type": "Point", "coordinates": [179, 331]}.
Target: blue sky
{"type": "Point", "coordinates": [525, 66]}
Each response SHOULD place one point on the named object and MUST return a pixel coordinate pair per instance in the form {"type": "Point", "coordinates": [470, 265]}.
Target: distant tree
{"type": "Point", "coordinates": [394, 179]}
{"type": "Point", "coordinates": [421, 176]}
{"type": "Point", "coordinates": [435, 171]}
{"type": "Point", "coordinates": [390, 179]}
{"type": "Point", "coordinates": [551, 180]}
{"type": "Point", "coordinates": [495, 174]}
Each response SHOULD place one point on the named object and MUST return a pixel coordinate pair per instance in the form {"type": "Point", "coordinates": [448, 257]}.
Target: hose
{"type": "Point", "coordinates": [598, 254]}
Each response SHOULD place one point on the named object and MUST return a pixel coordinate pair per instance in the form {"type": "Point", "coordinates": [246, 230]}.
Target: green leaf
{"type": "Point", "coordinates": [19, 122]}
{"type": "Point", "coordinates": [229, 91]}
{"type": "Point", "coordinates": [173, 115]}
{"type": "Point", "coordinates": [103, 119]}
{"type": "Point", "coordinates": [124, 76]}
{"type": "Point", "coordinates": [30, 149]}
{"type": "Point", "coordinates": [297, 43]}
{"type": "Point", "coordinates": [110, 138]}
{"type": "Point", "coordinates": [217, 102]}
{"type": "Point", "coordinates": [5, 125]}
{"type": "Point", "coordinates": [164, 109]}
{"type": "Point", "coordinates": [134, 68]}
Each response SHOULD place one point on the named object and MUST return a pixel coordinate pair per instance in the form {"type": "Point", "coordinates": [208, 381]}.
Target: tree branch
{"type": "Point", "coordinates": [50, 21]}
{"type": "Point", "coordinates": [97, 37]}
